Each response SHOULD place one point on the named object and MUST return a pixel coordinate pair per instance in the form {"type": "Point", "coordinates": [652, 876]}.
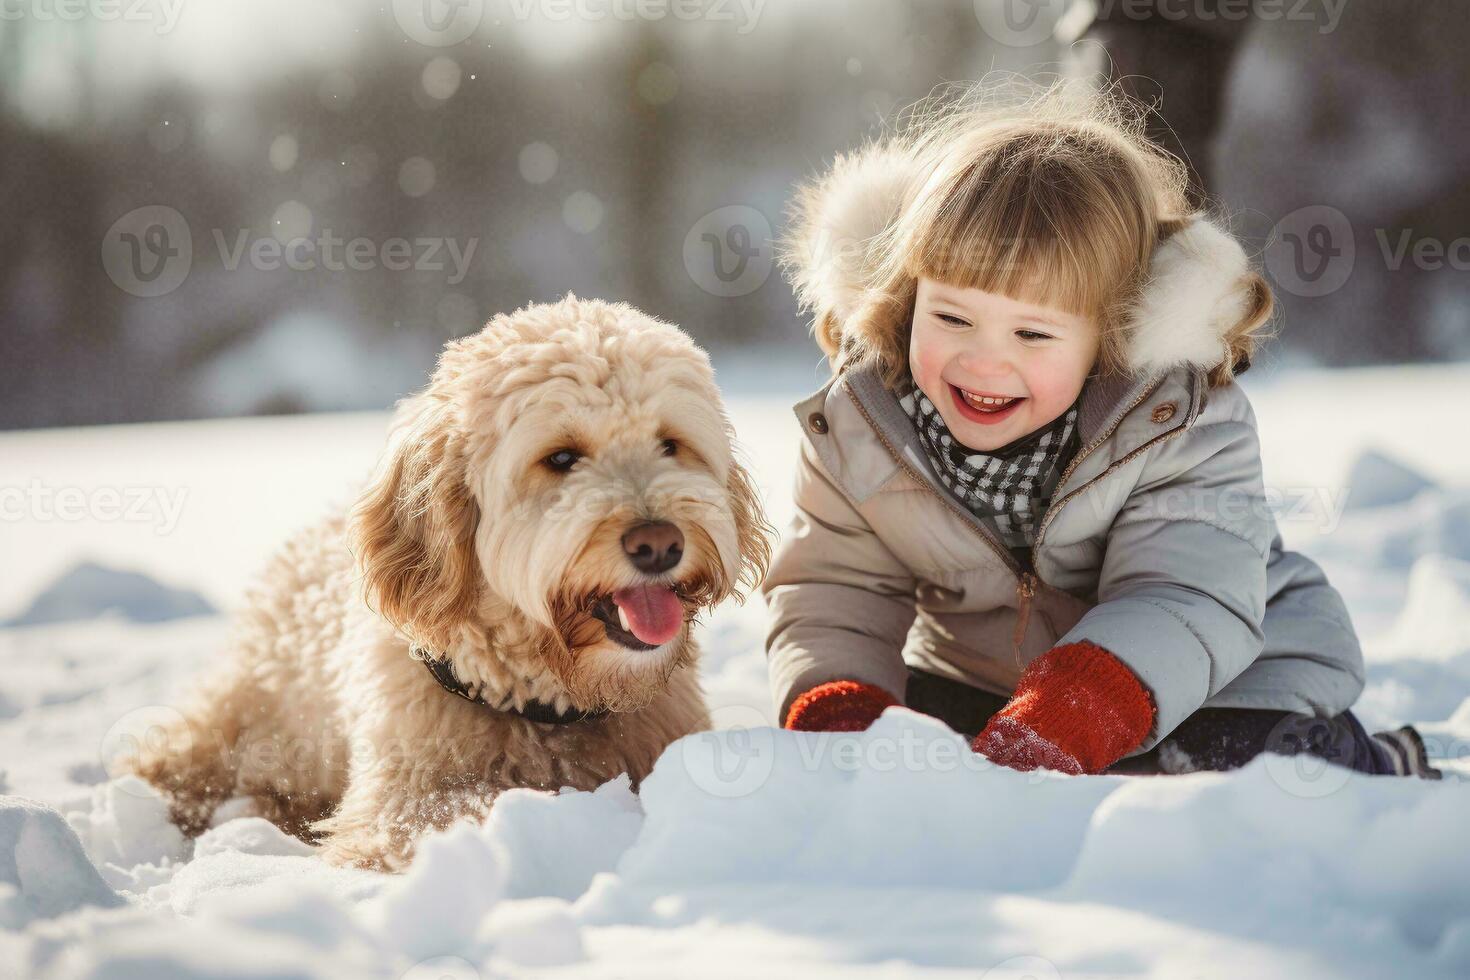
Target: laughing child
{"type": "Point", "coordinates": [1029, 501]}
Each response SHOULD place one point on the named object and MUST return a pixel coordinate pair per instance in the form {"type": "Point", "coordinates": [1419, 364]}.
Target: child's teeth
{"type": "Point", "coordinates": [983, 401]}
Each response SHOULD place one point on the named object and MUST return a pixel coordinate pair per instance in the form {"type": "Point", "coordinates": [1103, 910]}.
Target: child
{"type": "Point", "coordinates": [1029, 502]}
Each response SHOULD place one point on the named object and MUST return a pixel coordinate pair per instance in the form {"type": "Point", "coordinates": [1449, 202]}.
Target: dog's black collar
{"type": "Point", "coordinates": [538, 711]}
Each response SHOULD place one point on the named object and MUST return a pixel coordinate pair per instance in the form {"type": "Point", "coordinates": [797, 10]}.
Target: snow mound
{"type": "Point", "coordinates": [89, 591]}
{"type": "Point", "coordinates": [1389, 540]}
{"type": "Point", "coordinates": [544, 840]}
{"type": "Point", "coordinates": [1378, 480]}
{"type": "Point", "coordinates": [1263, 847]}
{"type": "Point", "coordinates": [1287, 851]}
{"type": "Point", "coordinates": [435, 908]}
{"type": "Point", "coordinates": [44, 871]}
{"type": "Point", "coordinates": [128, 825]}
{"type": "Point", "coordinates": [534, 845]}
{"type": "Point", "coordinates": [537, 932]}
{"type": "Point", "coordinates": [1420, 667]}
{"type": "Point", "coordinates": [771, 805]}
{"type": "Point", "coordinates": [250, 835]}
{"type": "Point", "coordinates": [1435, 621]}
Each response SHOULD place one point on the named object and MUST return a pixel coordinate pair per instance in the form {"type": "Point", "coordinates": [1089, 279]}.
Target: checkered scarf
{"type": "Point", "coordinates": [1004, 485]}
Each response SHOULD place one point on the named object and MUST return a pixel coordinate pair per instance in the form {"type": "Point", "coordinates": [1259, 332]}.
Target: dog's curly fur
{"type": "Point", "coordinates": [469, 545]}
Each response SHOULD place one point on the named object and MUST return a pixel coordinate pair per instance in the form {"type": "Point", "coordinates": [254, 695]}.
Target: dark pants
{"type": "Point", "coordinates": [1209, 739]}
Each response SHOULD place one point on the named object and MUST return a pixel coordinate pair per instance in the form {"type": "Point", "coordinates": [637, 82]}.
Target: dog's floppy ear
{"type": "Point", "coordinates": [413, 528]}
{"type": "Point", "coordinates": [753, 529]}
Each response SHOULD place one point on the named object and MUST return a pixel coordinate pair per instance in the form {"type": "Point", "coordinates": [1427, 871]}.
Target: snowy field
{"type": "Point", "coordinates": [890, 853]}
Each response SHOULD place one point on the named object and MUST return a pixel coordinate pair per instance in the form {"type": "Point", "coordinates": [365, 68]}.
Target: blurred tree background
{"type": "Point", "coordinates": [623, 150]}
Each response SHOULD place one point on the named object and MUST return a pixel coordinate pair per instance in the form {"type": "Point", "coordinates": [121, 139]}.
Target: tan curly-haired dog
{"type": "Point", "coordinates": [548, 518]}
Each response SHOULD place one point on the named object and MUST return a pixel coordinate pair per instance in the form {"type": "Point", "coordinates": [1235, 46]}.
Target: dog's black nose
{"type": "Point", "coordinates": [654, 547]}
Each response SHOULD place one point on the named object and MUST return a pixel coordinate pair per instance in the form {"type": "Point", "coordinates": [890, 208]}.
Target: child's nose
{"type": "Point", "coordinates": [986, 361]}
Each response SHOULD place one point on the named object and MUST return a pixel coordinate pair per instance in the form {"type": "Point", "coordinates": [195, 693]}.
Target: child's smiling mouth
{"type": "Point", "coordinates": [984, 408]}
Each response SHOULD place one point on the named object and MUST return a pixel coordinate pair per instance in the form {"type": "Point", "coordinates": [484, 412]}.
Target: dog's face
{"type": "Point", "coordinates": [572, 462]}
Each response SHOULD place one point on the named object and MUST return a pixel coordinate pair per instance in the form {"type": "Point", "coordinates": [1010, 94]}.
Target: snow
{"type": "Point", "coordinates": [43, 869]}
{"type": "Point", "coordinates": [88, 591]}
{"type": "Point", "coordinates": [890, 852]}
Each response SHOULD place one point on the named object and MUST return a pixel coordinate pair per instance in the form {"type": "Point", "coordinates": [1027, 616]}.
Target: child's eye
{"type": "Point", "coordinates": [952, 320]}
{"type": "Point", "coordinates": [1032, 335]}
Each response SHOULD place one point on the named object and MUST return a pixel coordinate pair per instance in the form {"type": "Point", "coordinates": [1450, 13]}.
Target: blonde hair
{"type": "Point", "coordinates": [1044, 193]}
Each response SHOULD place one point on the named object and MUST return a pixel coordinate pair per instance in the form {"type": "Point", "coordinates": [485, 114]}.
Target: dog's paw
{"type": "Point", "coordinates": [365, 853]}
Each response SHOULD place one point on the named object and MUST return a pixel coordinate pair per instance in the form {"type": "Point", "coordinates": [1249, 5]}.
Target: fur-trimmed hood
{"type": "Point", "coordinates": [1200, 282]}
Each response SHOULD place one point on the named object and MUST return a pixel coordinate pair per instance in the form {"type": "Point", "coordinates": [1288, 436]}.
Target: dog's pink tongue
{"type": "Point", "coordinates": [654, 613]}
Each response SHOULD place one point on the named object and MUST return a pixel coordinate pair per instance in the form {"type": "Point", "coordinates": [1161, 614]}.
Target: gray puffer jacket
{"type": "Point", "coordinates": [1158, 546]}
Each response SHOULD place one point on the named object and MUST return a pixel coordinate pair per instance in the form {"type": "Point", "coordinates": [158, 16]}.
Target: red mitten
{"type": "Point", "coordinates": [838, 706]}
{"type": "Point", "coordinates": [1077, 709]}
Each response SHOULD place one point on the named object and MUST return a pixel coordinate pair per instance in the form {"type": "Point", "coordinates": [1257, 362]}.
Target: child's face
{"type": "Point", "coordinates": [1028, 361]}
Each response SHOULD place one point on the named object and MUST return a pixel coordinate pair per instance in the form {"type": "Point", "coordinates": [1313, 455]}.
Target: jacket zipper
{"type": "Point", "coordinates": [1025, 590]}
{"type": "Point", "coordinates": [1057, 505]}
{"type": "Point", "coordinates": [1026, 582]}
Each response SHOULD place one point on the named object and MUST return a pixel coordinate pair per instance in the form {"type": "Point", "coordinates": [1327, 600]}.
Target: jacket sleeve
{"type": "Point", "coordinates": [1182, 588]}
{"type": "Point", "coordinates": [840, 602]}
{"type": "Point", "coordinates": [1312, 655]}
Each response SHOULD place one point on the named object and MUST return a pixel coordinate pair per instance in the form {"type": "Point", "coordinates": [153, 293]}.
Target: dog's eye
{"type": "Point", "coordinates": [669, 446]}
{"type": "Point", "coordinates": [562, 460]}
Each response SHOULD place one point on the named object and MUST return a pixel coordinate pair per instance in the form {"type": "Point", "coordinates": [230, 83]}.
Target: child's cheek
{"type": "Point", "coordinates": [928, 354]}
{"type": "Point", "coordinates": [1055, 379]}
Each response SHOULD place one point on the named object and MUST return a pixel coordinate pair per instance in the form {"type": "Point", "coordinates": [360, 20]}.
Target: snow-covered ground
{"type": "Point", "coordinates": [882, 854]}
